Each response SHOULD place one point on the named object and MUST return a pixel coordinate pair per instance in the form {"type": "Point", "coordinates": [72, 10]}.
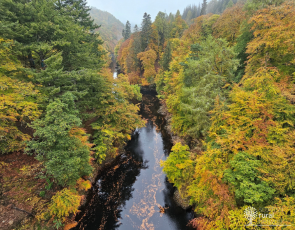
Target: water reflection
{"type": "Point", "coordinates": [128, 195]}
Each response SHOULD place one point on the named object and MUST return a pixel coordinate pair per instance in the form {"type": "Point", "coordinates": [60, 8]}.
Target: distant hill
{"type": "Point", "coordinates": [111, 28]}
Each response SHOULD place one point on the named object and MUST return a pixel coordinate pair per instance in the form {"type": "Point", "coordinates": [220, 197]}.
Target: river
{"type": "Point", "coordinates": [128, 194]}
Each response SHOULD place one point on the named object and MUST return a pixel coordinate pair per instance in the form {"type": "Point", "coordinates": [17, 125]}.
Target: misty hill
{"type": "Point", "coordinates": [111, 28]}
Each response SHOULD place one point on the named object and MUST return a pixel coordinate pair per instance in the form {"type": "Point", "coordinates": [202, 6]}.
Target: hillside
{"type": "Point", "coordinates": [111, 28]}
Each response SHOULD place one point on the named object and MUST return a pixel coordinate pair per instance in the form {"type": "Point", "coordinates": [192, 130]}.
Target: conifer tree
{"type": "Point", "coordinates": [204, 7]}
{"type": "Point", "coordinates": [177, 14]}
{"type": "Point", "coordinates": [189, 16]}
{"type": "Point", "coordinates": [136, 29]}
{"type": "Point", "coordinates": [42, 29]}
{"type": "Point", "coordinates": [65, 156]}
{"type": "Point", "coordinates": [162, 28]}
{"type": "Point", "coordinates": [79, 10]}
{"type": "Point", "coordinates": [136, 46]}
{"type": "Point", "coordinates": [167, 56]}
{"type": "Point", "coordinates": [146, 31]}
{"type": "Point", "coordinates": [171, 18]}
{"type": "Point", "coordinates": [203, 82]}
{"type": "Point", "coordinates": [230, 4]}
{"type": "Point", "coordinates": [127, 31]}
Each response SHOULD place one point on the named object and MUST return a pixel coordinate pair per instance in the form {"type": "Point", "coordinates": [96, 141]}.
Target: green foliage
{"type": "Point", "coordinates": [253, 5]}
{"type": "Point", "coordinates": [57, 224]}
{"type": "Point", "coordinates": [178, 166]}
{"type": "Point", "coordinates": [45, 28]}
{"type": "Point", "coordinates": [78, 10]}
{"type": "Point", "coordinates": [65, 157]}
{"type": "Point", "coordinates": [204, 80]}
{"type": "Point", "coordinates": [127, 31]}
{"type": "Point", "coordinates": [248, 129]}
{"type": "Point", "coordinates": [146, 31]}
{"type": "Point", "coordinates": [204, 7]}
{"type": "Point", "coordinates": [178, 26]}
{"type": "Point", "coordinates": [74, 84]}
{"type": "Point", "coordinates": [49, 184]}
{"type": "Point", "coordinates": [117, 119]}
{"type": "Point", "coordinates": [246, 35]}
{"type": "Point", "coordinates": [162, 28]}
{"type": "Point", "coordinates": [167, 56]}
{"type": "Point", "coordinates": [17, 101]}
{"type": "Point", "coordinates": [110, 29]}
{"type": "Point", "coordinates": [260, 121]}
{"type": "Point", "coordinates": [191, 12]}
{"type": "Point", "coordinates": [245, 178]}
{"type": "Point", "coordinates": [230, 4]}
{"type": "Point", "coordinates": [42, 193]}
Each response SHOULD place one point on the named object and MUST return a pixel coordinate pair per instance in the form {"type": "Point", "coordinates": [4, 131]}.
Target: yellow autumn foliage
{"type": "Point", "coordinates": [83, 184]}
{"type": "Point", "coordinates": [148, 59]}
{"type": "Point", "coordinates": [64, 203]}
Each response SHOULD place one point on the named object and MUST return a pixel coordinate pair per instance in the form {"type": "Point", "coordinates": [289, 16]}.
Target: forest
{"type": "Point", "coordinates": [61, 111]}
{"type": "Point", "coordinates": [110, 29]}
{"type": "Point", "coordinates": [225, 72]}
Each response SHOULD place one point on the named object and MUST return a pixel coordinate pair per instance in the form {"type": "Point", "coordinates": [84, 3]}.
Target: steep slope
{"type": "Point", "coordinates": [111, 28]}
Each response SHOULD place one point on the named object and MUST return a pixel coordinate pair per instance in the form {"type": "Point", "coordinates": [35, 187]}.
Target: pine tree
{"type": "Point", "coordinates": [162, 28]}
{"type": "Point", "coordinates": [230, 4]}
{"type": "Point", "coordinates": [65, 156]}
{"type": "Point", "coordinates": [127, 31]}
{"type": "Point", "coordinates": [136, 46]}
{"type": "Point", "coordinates": [204, 7]}
{"type": "Point", "coordinates": [146, 31]}
{"type": "Point", "coordinates": [42, 29]}
{"type": "Point", "coordinates": [167, 56]}
{"type": "Point", "coordinates": [203, 82]}
{"type": "Point", "coordinates": [189, 16]}
{"type": "Point", "coordinates": [171, 18]}
{"type": "Point", "coordinates": [177, 14]}
{"type": "Point", "coordinates": [79, 10]}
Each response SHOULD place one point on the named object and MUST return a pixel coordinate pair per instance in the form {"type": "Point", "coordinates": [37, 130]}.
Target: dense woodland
{"type": "Point", "coordinates": [225, 70]}
{"type": "Point", "coordinates": [110, 29]}
{"type": "Point", "coordinates": [59, 103]}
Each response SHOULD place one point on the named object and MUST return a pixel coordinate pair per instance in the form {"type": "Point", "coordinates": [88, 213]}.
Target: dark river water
{"type": "Point", "coordinates": [128, 194]}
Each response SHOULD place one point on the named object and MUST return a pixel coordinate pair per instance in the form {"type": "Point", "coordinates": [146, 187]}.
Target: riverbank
{"type": "Point", "coordinates": [132, 191]}
{"type": "Point", "coordinates": [194, 144]}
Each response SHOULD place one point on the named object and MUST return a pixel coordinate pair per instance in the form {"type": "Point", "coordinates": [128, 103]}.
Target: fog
{"type": "Point", "coordinates": [133, 10]}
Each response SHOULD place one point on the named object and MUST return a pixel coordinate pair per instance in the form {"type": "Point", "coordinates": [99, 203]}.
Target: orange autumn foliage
{"type": "Point", "coordinates": [123, 53]}
{"type": "Point", "coordinates": [83, 184]}
{"type": "Point", "coordinates": [201, 28]}
{"type": "Point", "coordinates": [148, 59]}
{"type": "Point", "coordinates": [70, 225]}
{"type": "Point", "coordinates": [228, 24]}
{"type": "Point", "coordinates": [274, 38]}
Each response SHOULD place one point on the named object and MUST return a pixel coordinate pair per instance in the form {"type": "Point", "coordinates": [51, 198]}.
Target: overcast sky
{"type": "Point", "coordinates": [133, 10]}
